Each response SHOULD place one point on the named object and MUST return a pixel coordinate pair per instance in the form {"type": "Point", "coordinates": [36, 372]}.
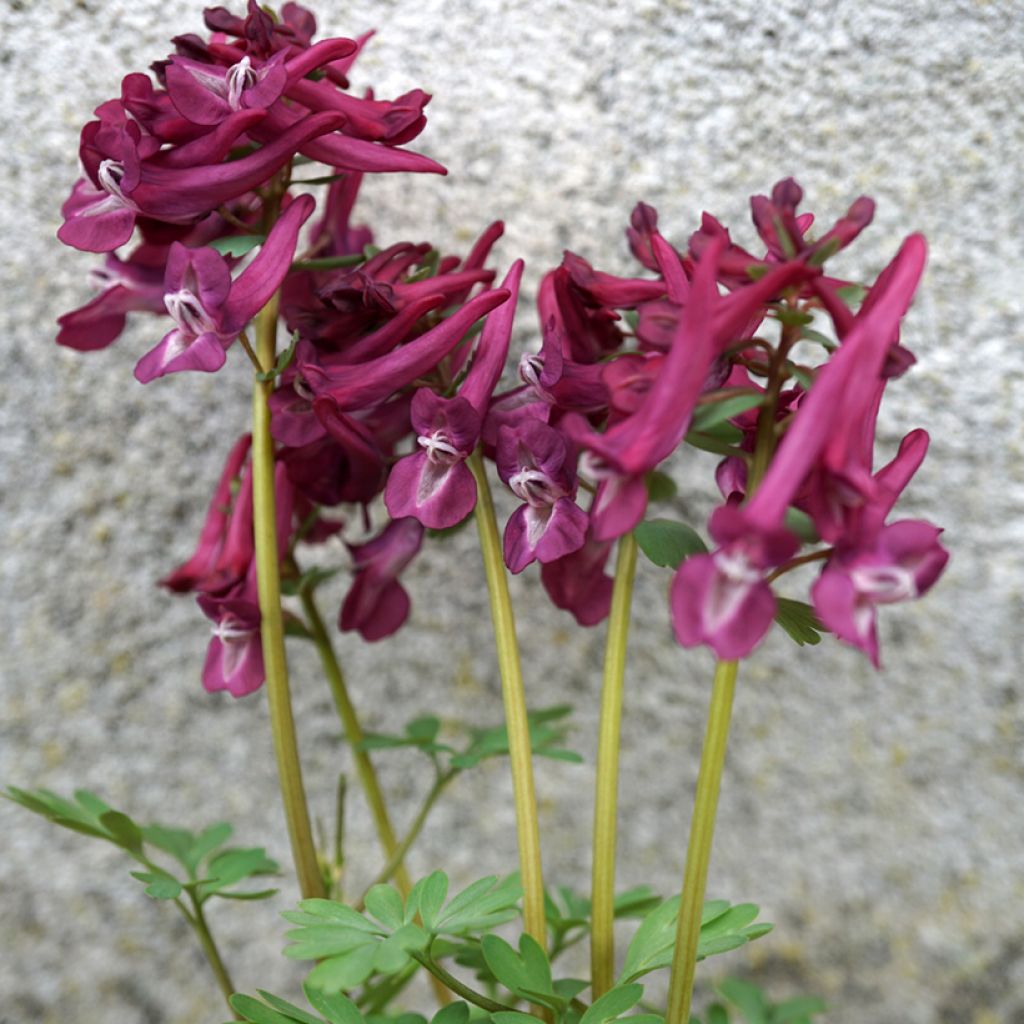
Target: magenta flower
{"type": "Point", "coordinates": [101, 212]}
{"type": "Point", "coordinates": [722, 599]}
{"type": "Point", "coordinates": [536, 462]}
{"type": "Point", "coordinates": [620, 457]}
{"type": "Point", "coordinates": [434, 485]}
{"type": "Point", "coordinates": [377, 604]}
{"type": "Point", "coordinates": [135, 284]}
{"type": "Point", "coordinates": [578, 584]}
{"type": "Point", "coordinates": [209, 309]}
{"type": "Point", "coordinates": [899, 562]}
{"type": "Point", "coordinates": [202, 570]}
{"type": "Point", "coordinates": [365, 384]}
{"type": "Point", "coordinates": [234, 658]}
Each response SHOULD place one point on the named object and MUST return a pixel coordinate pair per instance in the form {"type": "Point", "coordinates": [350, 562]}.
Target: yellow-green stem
{"type": "Point", "coordinates": [602, 935]}
{"type": "Point", "coordinates": [394, 851]}
{"type": "Point", "coordinates": [354, 734]}
{"type": "Point", "coordinates": [514, 698]}
{"type": "Point", "coordinates": [198, 922]}
{"type": "Point", "coordinates": [268, 574]}
{"type": "Point", "coordinates": [698, 854]}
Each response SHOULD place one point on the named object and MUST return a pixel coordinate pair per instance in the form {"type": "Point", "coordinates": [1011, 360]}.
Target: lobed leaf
{"type": "Point", "coordinates": [668, 543]}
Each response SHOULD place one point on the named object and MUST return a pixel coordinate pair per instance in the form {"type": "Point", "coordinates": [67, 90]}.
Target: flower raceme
{"type": "Point", "coordinates": [385, 392]}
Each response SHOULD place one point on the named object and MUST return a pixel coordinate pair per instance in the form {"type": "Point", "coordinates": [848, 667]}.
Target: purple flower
{"type": "Point", "coordinates": [209, 309]}
{"type": "Point", "coordinates": [434, 485]}
{"type": "Point", "coordinates": [536, 462]}
{"type": "Point", "coordinates": [135, 284]}
{"type": "Point", "coordinates": [899, 562]}
{"type": "Point", "coordinates": [577, 582]}
{"type": "Point", "coordinates": [365, 384]}
{"type": "Point", "coordinates": [722, 599]}
{"type": "Point", "coordinates": [377, 604]}
{"type": "Point", "coordinates": [203, 570]}
{"type": "Point", "coordinates": [234, 658]}
{"type": "Point", "coordinates": [101, 212]}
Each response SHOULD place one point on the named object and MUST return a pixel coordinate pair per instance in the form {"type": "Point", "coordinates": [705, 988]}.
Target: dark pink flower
{"type": "Point", "coordinates": [208, 308]}
{"type": "Point", "coordinates": [899, 562]}
{"type": "Point", "coordinates": [377, 604]}
{"type": "Point", "coordinates": [538, 465]}
{"type": "Point", "coordinates": [434, 485]}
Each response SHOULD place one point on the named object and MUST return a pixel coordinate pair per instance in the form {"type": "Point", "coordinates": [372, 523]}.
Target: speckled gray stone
{"type": "Point", "coordinates": [876, 817]}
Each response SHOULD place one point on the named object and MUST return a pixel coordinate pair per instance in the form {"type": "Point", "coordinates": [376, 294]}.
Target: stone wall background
{"type": "Point", "coordinates": [876, 817]}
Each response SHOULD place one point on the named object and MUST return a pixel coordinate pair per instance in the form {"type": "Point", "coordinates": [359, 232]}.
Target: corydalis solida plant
{"type": "Point", "coordinates": [387, 391]}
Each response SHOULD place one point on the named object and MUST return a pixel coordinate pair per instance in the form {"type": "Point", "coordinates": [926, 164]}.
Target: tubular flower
{"type": "Point", "coordinates": [377, 604]}
{"type": "Point", "coordinates": [209, 309]}
{"type": "Point", "coordinates": [723, 599]}
{"type": "Point", "coordinates": [434, 485]}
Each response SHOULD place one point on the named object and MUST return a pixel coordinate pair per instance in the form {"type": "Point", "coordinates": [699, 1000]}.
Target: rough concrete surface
{"type": "Point", "coordinates": [876, 817]}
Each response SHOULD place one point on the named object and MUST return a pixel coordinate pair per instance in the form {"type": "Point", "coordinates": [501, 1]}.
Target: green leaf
{"type": "Point", "coordinates": [852, 294]}
{"type": "Point", "coordinates": [824, 252]}
{"type": "Point", "coordinates": [160, 886]}
{"type": "Point", "coordinates": [637, 901]}
{"type": "Point", "coordinates": [798, 1010]}
{"type": "Point", "coordinates": [717, 1014]}
{"type": "Point", "coordinates": [123, 830]}
{"type": "Point", "coordinates": [232, 866]}
{"type": "Point", "coordinates": [802, 525]}
{"type": "Point", "coordinates": [660, 486]}
{"type": "Point", "coordinates": [545, 739]}
{"type": "Point", "coordinates": [722, 433]}
{"type": "Point", "coordinates": [453, 1013]}
{"type": "Point", "coordinates": [432, 897]}
{"type": "Point", "coordinates": [632, 318]}
{"type": "Point", "coordinates": [323, 179]}
{"type": "Point", "coordinates": [480, 905]}
{"type": "Point", "coordinates": [722, 928]}
{"type": "Point", "coordinates": [512, 1017]}
{"type": "Point", "coordinates": [707, 416]}
{"type": "Point", "coordinates": [386, 905]}
{"type": "Point", "coordinates": [284, 360]}
{"type": "Point", "coordinates": [174, 841]}
{"type": "Point", "coordinates": [747, 998]}
{"type": "Point", "coordinates": [255, 894]}
{"type": "Point", "coordinates": [526, 974]}
{"type": "Point", "coordinates": [613, 1004]}
{"type": "Point", "coordinates": [237, 245]}
{"type": "Point", "coordinates": [809, 334]}
{"type": "Point", "coordinates": [291, 1011]}
{"type": "Point", "coordinates": [339, 973]}
{"type": "Point", "coordinates": [329, 262]}
{"type": "Point", "coordinates": [791, 317]}
{"type": "Point", "coordinates": [668, 543]}
{"type": "Point", "coordinates": [336, 1007]}
{"type": "Point", "coordinates": [253, 1010]}
{"type": "Point", "coordinates": [797, 618]}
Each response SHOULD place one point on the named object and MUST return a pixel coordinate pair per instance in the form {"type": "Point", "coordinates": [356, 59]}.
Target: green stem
{"type": "Point", "coordinates": [513, 695]}
{"type": "Point", "coordinates": [602, 933]}
{"type": "Point", "coordinates": [698, 854]}
{"type": "Point", "coordinates": [393, 850]}
{"type": "Point", "coordinates": [197, 921]}
{"type": "Point", "coordinates": [450, 981]}
{"type": "Point", "coordinates": [354, 733]}
{"type": "Point", "coordinates": [268, 575]}
{"type": "Point", "coordinates": [411, 835]}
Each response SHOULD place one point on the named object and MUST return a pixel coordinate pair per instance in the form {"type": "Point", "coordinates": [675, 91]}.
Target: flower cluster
{"type": "Point", "coordinates": [388, 388]}
{"type": "Point", "coordinates": [719, 325]}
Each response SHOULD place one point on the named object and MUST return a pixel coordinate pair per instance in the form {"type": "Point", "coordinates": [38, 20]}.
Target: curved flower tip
{"type": "Point", "coordinates": [723, 601]}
